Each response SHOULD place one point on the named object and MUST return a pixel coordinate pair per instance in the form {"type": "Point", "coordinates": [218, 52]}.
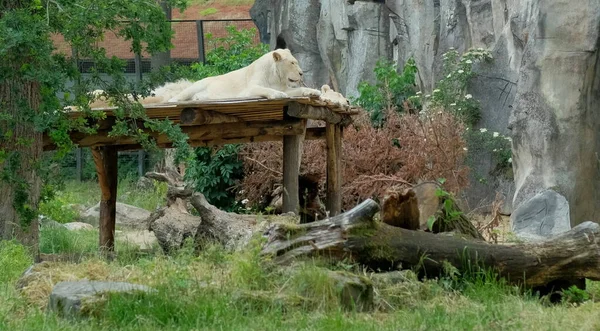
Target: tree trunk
{"type": "Point", "coordinates": [20, 184]}
{"type": "Point", "coordinates": [570, 256]}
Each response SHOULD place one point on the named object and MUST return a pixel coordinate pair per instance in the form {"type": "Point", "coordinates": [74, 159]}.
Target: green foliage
{"type": "Point", "coordinates": [234, 51]}
{"type": "Point", "coordinates": [29, 59]}
{"type": "Point", "coordinates": [482, 140]}
{"type": "Point", "coordinates": [208, 11]}
{"type": "Point", "coordinates": [391, 89]}
{"type": "Point", "coordinates": [450, 92]}
{"type": "Point", "coordinates": [448, 214]}
{"type": "Point", "coordinates": [59, 209]}
{"type": "Point", "coordinates": [214, 172]}
{"type": "Point", "coordinates": [14, 260]}
{"type": "Point", "coordinates": [575, 295]}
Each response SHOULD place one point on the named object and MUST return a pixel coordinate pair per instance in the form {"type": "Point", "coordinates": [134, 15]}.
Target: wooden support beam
{"type": "Point", "coordinates": [292, 152]}
{"type": "Point", "coordinates": [196, 133]}
{"type": "Point", "coordinates": [191, 116]}
{"type": "Point", "coordinates": [105, 159]}
{"type": "Point", "coordinates": [333, 138]}
{"type": "Point", "coordinates": [311, 134]}
{"type": "Point", "coordinates": [317, 113]}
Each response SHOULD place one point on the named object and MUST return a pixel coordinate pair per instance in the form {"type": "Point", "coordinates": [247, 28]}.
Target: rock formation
{"type": "Point", "coordinates": [545, 75]}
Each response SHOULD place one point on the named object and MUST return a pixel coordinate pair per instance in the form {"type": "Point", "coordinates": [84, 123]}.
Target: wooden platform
{"type": "Point", "coordinates": [224, 122]}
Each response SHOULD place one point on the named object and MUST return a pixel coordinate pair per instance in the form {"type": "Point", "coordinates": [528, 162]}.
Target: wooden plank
{"type": "Point", "coordinates": [334, 179]}
{"type": "Point", "coordinates": [292, 151]}
{"type": "Point", "coordinates": [105, 159]}
{"type": "Point", "coordinates": [190, 116]}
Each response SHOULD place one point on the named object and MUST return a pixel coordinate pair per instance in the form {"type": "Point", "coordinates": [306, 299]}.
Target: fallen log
{"type": "Point", "coordinates": [572, 255]}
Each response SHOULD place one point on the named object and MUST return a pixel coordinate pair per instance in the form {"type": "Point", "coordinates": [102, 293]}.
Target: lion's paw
{"type": "Point", "coordinates": [173, 100]}
{"type": "Point", "coordinates": [311, 93]}
{"type": "Point", "coordinates": [278, 95]}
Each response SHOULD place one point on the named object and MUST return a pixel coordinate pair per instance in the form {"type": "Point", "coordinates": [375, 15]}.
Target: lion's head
{"type": "Point", "coordinates": [287, 68]}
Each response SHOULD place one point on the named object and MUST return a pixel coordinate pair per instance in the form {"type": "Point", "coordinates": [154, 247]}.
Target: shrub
{"type": "Point", "coordinates": [407, 149]}
{"type": "Point", "coordinates": [390, 91]}
{"type": "Point", "coordinates": [14, 259]}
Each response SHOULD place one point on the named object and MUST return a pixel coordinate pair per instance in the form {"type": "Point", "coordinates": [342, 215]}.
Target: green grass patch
{"type": "Point", "coordinates": [208, 11]}
{"type": "Point", "coordinates": [14, 259]}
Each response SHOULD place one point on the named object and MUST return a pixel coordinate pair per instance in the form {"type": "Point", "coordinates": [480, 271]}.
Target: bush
{"type": "Point", "coordinates": [14, 259]}
{"type": "Point", "coordinates": [390, 91]}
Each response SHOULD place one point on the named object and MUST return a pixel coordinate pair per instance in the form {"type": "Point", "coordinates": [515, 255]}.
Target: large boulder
{"type": "Point", "coordinates": [76, 298]}
{"type": "Point", "coordinates": [127, 216]}
{"type": "Point", "coordinates": [76, 226]}
{"type": "Point", "coordinates": [542, 216]}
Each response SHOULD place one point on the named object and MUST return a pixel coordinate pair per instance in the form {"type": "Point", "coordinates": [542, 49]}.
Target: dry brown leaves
{"type": "Point", "coordinates": [409, 149]}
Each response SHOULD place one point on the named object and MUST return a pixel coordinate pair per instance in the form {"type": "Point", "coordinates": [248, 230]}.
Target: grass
{"type": "Point", "coordinates": [219, 290]}
{"type": "Point", "coordinates": [82, 195]}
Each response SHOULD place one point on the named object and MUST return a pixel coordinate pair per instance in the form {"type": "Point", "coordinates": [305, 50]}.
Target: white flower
{"type": "Point", "coordinates": [468, 62]}
{"type": "Point", "coordinates": [459, 109]}
{"type": "Point", "coordinates": [451, 48]}
{"type": "Point", "coordinates": [482, 130]}
{"type": "Point", "coordinates": [495, 150]}
{"type": "Point", "coordinates": [510, 160]}
{"type": "Point", "coordinates": [468, 96]}
{"type": "Point", "coordinates": [480, 49]}
{"type": "Point", "coordinates": [496, 134]}
{"type": "Point", "coordinates": [508, 138]}
{"type": "Point", "coordinates": [419, 93]}
{"type": "Point", "coordinates": [465, 149]}
{"type": "Point", "coordinates": [245, 201]}
{"type": "Point", "coordinates": [452, 104]}
{"type": "Point", "coordinates": [436, 91]}
{"type": "Point", "coordinates": [466, 129]}
{"type": "Point", "coordinates": [428, 96]}
{"type": "Point", "coordinates": [461, 71]}
{"type": "Point", "coordinates": [449, 75]}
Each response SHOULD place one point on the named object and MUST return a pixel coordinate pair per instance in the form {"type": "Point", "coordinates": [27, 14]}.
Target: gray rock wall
{"type": "Point", "coordinates": [542, 87]}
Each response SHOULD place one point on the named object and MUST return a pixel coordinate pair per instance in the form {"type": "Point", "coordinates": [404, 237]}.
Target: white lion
{"type": "Point", "coordinates": [332, 97]}
{"type": "Point", "coordinates": [274, 75]}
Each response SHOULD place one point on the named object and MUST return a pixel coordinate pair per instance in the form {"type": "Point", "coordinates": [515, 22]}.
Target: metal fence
{"type": "Point", "coordinates": [189, 41]}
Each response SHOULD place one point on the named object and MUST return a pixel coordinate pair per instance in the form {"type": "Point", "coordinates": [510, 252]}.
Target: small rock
{"type": "Point", "coordinates": [355, 292]}
{"type": "Point", "coordinates": [67, 298]}
{"type": "Point", "coordinates": [76, 226]}
{"type": "Point", "coordinates": [542, 216]}
{"type": "Point", "coordinates": [127, 216]}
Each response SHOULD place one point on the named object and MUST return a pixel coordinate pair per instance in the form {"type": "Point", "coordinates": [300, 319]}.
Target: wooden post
{"type": "Point", "coordinates": [292, 156]}
{"type": "Point", "coordinates": [200, 37]}
{"type": "Point", "coordinates": [141, 162]}
{"type": "Point", "coordinates": [79, 164]}
{"type": "Point", "coordinates": [105, 159]}
{"type": "Point", "coordinates": [333, 138]}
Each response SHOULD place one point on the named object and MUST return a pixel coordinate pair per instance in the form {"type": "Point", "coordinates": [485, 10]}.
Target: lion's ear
{"type": "Point", "coordinates": [277, 56]}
